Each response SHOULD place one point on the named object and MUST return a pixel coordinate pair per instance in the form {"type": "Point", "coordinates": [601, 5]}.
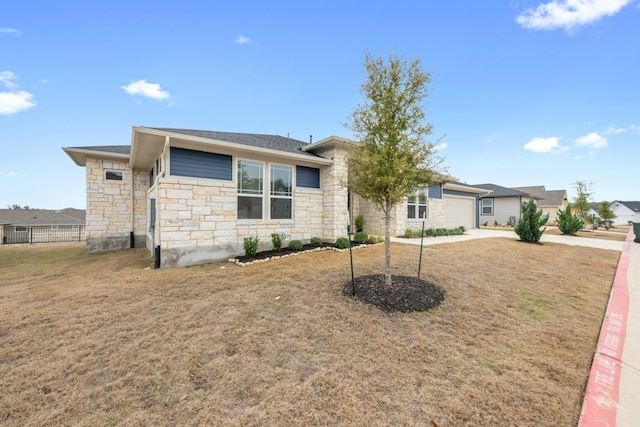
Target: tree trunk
{"type": "Point", "coordinates": [387, 246]}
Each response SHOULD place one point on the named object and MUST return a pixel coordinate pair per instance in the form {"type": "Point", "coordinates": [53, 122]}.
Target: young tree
{"type": "Point", "coordinates": [605, 212]}
{"type": "Point", "coordinates": [529, 227]}
{"type": "Point", "coordinates": [583, 194]}
{"type": "Point", "coordinates": [567, 223]}
{"type": "Point", "coordinates": [391, 157]}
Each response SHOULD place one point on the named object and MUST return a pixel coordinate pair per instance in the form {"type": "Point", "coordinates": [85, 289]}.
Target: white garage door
{"type": "Point", "coordinates": [460, 211]}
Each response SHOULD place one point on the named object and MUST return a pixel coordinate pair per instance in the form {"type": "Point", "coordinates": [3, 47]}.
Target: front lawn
{"type": "Point", "coordinates": [104, 340]}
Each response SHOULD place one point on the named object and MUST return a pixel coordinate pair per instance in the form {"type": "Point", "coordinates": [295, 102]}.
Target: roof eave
{"type": "Point", "coordinates": [80, 155]}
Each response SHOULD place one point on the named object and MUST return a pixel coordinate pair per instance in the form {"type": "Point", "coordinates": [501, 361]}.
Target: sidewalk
{"type": "Point", "coordinates": [612, 397]}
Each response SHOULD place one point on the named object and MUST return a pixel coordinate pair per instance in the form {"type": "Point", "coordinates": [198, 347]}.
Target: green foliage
{"type": "Point", "coordinates": [359, 222]}
{"type": "Point", "coordinates": [531, 225]}
{"type": "Point", "coordinates": [435, 232]}
{"type": "Point", "coordinates": [276, 240]}
{"type": "Point", "coordinates": [581, 204]}
{"type": "Point", "coordinates": [391, 157]}
{"type": "Point", "coordinates": [360, 237]}
{"type": "Point", "coordinates": [316, 242]}
{"type": "Point", "coordinates": [342, 243]}
{"type": "Point", "coordinates": [606, 214]}
{"type": "Point", "coordinates": [250, 245]}
{"type": "Point", "coordinates": [295, 245]}
{"type": "Point", "coordinates": [375, 239]}
{"type": "Point", "coordinates": [568, 223]}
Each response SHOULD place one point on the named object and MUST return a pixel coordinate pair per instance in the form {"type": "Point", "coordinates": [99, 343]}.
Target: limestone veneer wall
{"type": "Point", "coordinates": [374, 217]}
{"type": "Point", "coordinates": [335, 204]}
{"type": "Point", "coordinates": [108, 219]}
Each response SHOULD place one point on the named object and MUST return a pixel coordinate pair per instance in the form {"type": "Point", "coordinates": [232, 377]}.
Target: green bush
{"type": "Point", "coordinates": [295, 245]}
{"type": "Point", "coordinates": [360, 237]}
{"type": "Point", "coordinates": [530, 226]}
{"type": "Point", "coordinates": [251, 246]}
{"type": "Point", "coordinates": [342, 243]}
{"type": "Point", "coordinates": [375, 239]}
{"type": "Point", "coordinates": [316, 242]}
{"type": "Point", "coordinates": [359, 223]}
{"type": "Point", "coordinates": [431, 232]}
{"type": "Point", "coordinates": [276, 240]}
{"type": "Point", "coordinates": [568, 223]}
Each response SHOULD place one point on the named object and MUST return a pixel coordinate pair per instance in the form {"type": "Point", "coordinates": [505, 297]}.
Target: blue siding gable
{"type": "Point", "coordinates": [307, 177]}
{"type": "Point", "coordinates": [435, 191]}
{"type": "Point", "coordinates": [200, 164]}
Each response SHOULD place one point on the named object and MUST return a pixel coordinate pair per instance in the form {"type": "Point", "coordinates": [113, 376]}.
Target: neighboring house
{"type": "Point", "coordinates": [502, 206]}
{"type": "Point", "coordinates": [593, 213]}
{"type": "Point", "coordinates": [625, 212]}
{"type": "Point", "coordinates": [41, 225]}
{"type": "Point", "coordinates": [193, 196]}
{"type": "Point", "coordinates": [548, 200]}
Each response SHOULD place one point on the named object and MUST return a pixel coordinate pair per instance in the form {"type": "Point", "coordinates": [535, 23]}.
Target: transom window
{"type": "Point", "coordinates": [281, 191]}
{"type": "Point", "coordinates": [250, 189]}
{"type": "Point", "coordinates": [111, 175]}
{"type": "Point", "coordinates": [487, 206]}
{"type": "Point", "coordinates": [417, 205]}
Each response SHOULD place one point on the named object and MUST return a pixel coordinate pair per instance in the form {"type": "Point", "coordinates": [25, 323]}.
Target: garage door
{"type": "Point", "coordinates": [460, 211]}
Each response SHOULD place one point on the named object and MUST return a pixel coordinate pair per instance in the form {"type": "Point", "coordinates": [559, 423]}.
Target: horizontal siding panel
{"type": "Point", "coordinates": [307, 177]}
{"type": "Point", "coordinates": [435, 191]}
{"type": "Point", "coordinates": [200, 164]}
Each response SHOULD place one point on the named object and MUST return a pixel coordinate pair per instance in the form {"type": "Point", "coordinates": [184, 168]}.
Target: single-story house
{"type": "Point", "coordinates": [193, 196]}
{"type": "Point", "coordinates": [503, 205]}
{"type": "Point", "coordinates": [41, 225]}
{"type": "Point", "coordinates": [550, 201]}
{"type": "Point", "coordinates": [625, 212]}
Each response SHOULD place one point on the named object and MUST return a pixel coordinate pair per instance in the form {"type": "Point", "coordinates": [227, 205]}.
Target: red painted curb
{"type": "Point", "coordinates": [601, 397]}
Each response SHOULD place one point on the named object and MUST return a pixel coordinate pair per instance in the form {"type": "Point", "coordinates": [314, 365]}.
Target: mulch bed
{"type": "Point", "coordinates": [406, 294]}
{"type": "Point", "coordinates": [286, 251]}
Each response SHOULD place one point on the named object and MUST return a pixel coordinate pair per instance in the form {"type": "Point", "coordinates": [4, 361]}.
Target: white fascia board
{"type": "Point", "coordinates": [331, 140]}
{"type": "Point", "coordinates": [80, 155]}
{"type": "Point", "coordinates": [467, 188]}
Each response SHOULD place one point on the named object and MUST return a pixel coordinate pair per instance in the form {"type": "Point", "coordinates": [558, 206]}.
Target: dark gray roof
{"type": "Point", "coordinates": [634, 206]}
{"type": "Point", "coordinates": [274, 142]}
{"type": "Point", "coordinates": [547, 197]}
{"type": "Point", "coordinates": [67, 216]}
{"type": "Point", "coordinates": [116, 149]}
{"type": "Point", "coordinates": [498, 191]}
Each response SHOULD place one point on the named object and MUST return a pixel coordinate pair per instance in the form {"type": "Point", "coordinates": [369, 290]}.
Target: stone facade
{"type": "Point", "coordinates": [374, 217]}
{"type": "Point", "coordinates": [111, 217]}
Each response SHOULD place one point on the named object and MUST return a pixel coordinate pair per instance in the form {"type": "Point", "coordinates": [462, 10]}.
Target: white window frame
{"type": "Point", "coordinates": [415, 201]}
{"type": "Point", "coordinates": [259, 193]}
{"type": "Point", "coordinates": [280, 195]}
{"type": "Point", "coordinates": [114, 172]}
{"type": "Point", "coordinates": [482, 206]}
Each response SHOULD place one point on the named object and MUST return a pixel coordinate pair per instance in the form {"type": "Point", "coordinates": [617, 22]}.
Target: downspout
{"type": "Point", "coordinates": [132, 237]}
{"type": "Point", "coordinates": [157, 254]}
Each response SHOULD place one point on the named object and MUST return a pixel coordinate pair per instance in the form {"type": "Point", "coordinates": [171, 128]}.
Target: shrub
{"type": "Point", "coordinates": [361, 237]}
{"type": "Point", "coordinates": [250, 246]}
{"type": "Point", "coordinates": [529, 228]}
{"type": "Point", "coordinates": [295, 245]}
{"type": "Point", "coordinates": [342, 243]}
{"type": "Point", "coordinates": [276, 240]}
{"type": "Point", "coordinates": [431, 232]}
{"type": "Point", "coordinates": [316, 242]}
{"type": "Point", "coordinates": [568, 223]}
{"type": "Point", "coordinates": [359, 223]}
{"type": "Point", "coordinates": [375, 239]}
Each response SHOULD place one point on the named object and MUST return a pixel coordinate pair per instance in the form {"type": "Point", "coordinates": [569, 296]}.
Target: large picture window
{"type": "Point", "coordinates": [250, 189]}
{"type": "Point", "coordinates": [487, 206]}
{"type": "Point", "coordinates": [417, 204]}
{"type": "Point", "coordinates": [281, 191]}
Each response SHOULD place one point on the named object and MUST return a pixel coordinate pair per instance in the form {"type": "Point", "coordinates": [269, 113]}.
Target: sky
{"type": "Point", "coordinates": [522, 93]}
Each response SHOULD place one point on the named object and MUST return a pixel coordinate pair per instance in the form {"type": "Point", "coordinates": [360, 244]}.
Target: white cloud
{"type": "Point", "coordinates": [11, 173]}
{"type": "Point", "coordinates": [146, 89]}
{"type": "Point", "coordinates": [493, 137]}
{"type": "Point", "coordinates": [12, 31]}
{"type": "Point", "coordinates": [568, 14]}
{"type": "Point", "coordinates": [242, 40]}
{"type": "Point", "coordinates": [440, 146]}
{"type": "Point", "coordinates": [611, 130]}
{"type": "Point", "coordinates": [592, 140]}
{"type": "Point", "coordinates": [13, 101]}
{"type": "Point", "coordinates": [543, 145]}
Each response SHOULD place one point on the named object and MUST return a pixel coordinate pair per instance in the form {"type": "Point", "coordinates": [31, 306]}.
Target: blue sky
{"type": "Point", "coordinates": [531, 92]}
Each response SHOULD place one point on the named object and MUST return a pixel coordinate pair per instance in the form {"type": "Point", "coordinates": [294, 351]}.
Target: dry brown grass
{"type": "Point", "coordinates": [99, 340]}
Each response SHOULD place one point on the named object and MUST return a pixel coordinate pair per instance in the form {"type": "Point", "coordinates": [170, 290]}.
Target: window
{"type": "Point", "coordinates": [417, 204]}
{"type": "Point", "coordinates": [281, 191]}
{"type": "Point", "coordinates": [250, 189]}
{"type": "Point", "coordinates": [111, 175]}
{"type": "Point", "coordinates": [487, 206]}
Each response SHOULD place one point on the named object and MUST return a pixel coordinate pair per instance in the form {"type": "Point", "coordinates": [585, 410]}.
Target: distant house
{"type": "Point", "coordinates": [625, 212]}
{"type": "Point", "coordinates": [502, 205]}
{"type": "Point", "coordinates": [192, 196]}
{"type": "Point", "coordinates": [548, 200]}
{"type": "Point", "coordinates": [41, 225]}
